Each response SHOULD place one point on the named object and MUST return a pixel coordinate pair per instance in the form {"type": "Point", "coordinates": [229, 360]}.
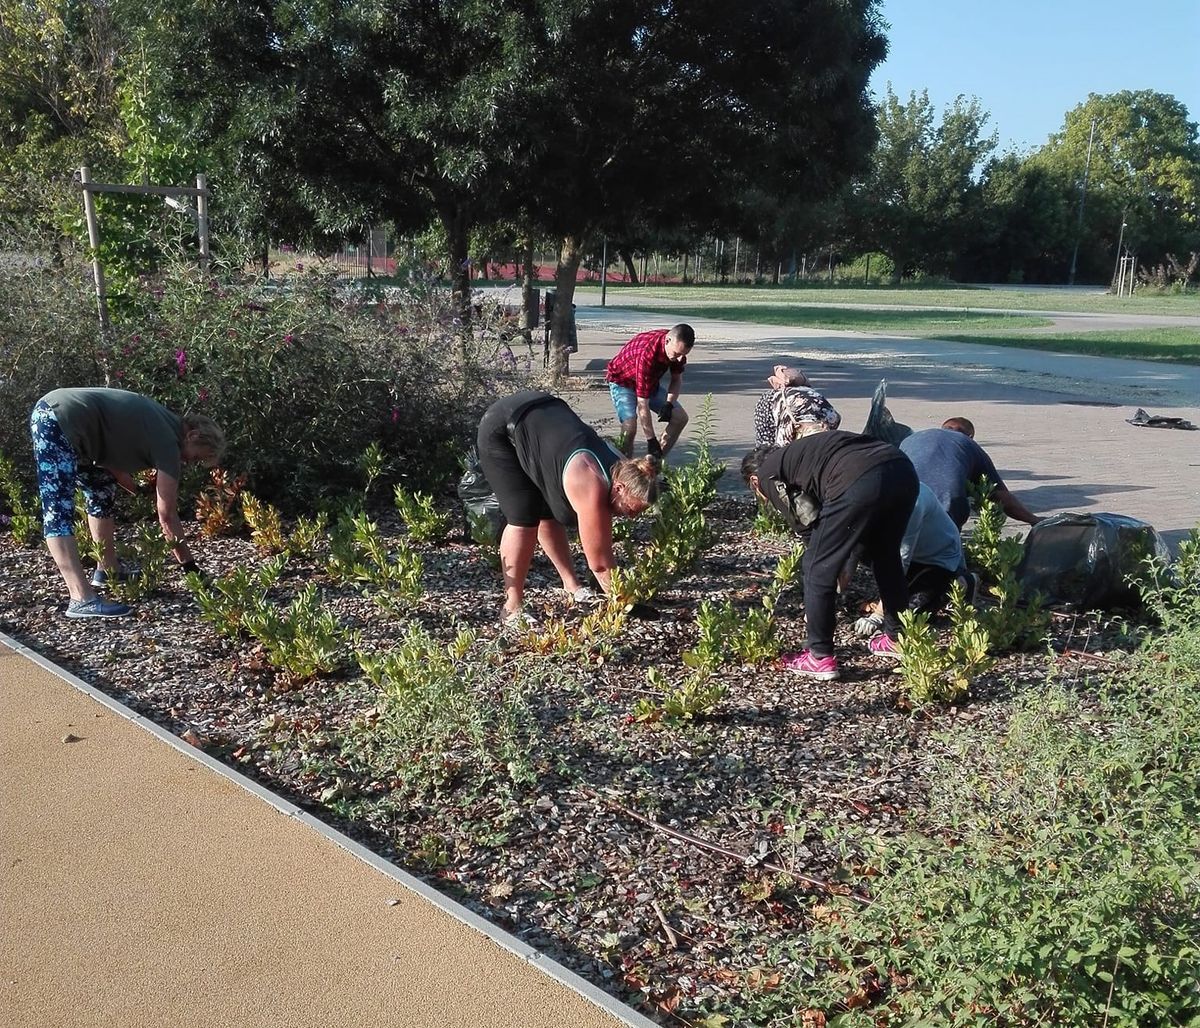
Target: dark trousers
{"type": "Point", "coordinates": [928, 587]}
{"type": "Point", "coordinates": [870, 516]}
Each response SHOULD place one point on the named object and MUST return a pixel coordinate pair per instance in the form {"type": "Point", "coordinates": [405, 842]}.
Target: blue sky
{"type": "Point", "coordinates": [1031, 61]}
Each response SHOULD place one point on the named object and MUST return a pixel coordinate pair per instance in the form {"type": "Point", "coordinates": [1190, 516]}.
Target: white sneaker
{"type": "Point", "coordinates": [584, 594]}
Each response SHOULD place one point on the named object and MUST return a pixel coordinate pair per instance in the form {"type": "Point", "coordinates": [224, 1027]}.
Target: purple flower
{"type": "Point", "coordinates": [299, 265]}
{"type": "Point", "coordinates": [134, 339]}
{"type": "Point", "coordinates": [289, 339]}
{"type": "Point", "coordinates": [203, 397]}
{"type": "Point", "coordinates": [181, 361]}
{"type": "Point", "coordinates": [395, 414]}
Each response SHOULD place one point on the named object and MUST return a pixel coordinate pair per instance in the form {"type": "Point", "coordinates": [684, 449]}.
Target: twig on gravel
{"type": "Point", "coordinates": [666, 927]}
{"type": "Point", "coordinates": [741, 858]}
{"type": "Point", "coordinates": [1083, 655]}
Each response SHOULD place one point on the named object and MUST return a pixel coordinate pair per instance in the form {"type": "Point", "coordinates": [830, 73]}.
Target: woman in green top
{"type": "Point", "coordinates": [97, 439]}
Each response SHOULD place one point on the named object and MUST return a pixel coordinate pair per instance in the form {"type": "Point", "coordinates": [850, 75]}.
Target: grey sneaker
{"type": "Point", "coordinates": [96, 608]}
{"type": "Point", "coordinates": [125, 573]}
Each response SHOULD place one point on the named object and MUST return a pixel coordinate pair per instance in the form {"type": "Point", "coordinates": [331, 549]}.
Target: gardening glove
{"type": "Point", "coordinates": [665, 412]}
{"type": "Point", "coordinates": [868, 625]}
{"type": "Point", "coordinates": [654, 447]}
{"type": "Point", "coordinates": [644, 612]}
{"type": "Point", "coordinates": [190, 567]}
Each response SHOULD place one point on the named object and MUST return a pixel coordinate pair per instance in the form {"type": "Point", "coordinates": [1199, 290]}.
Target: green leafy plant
{"type": "Point", "coordinates": [1053, 880]}
{"type": "Point", "coordinates": [25, 518]}
{"type": "Point", "coordinates": [750, 637]}
{"type": "Point", "coordinates": [370, 463]}
{"type": "Point", "coordinates": [768, 522]}
{"type": "Point", "coordinates": [425, 522]}
{"type": "Point", "coordinates": [447, 709]}
{"type": "Point", "coordinates": [303, 638]}
{"type": "Point", "coordinates": [1171, 590]}
{"type": "Point", "coordinates": [266, 525]}
{"type": "Point", "coordinates": [697, 695]}
{"type": "Point", "coordinates": [934, 671]}
{"type": "Point", "coordinates": [679, 532]}
{"type": "Point", "coordinates": [150, 552]}
{"type": "Point", "coordinates": [307, 534]}
{"type": "Point", "coordinates": [358, 554]}
{"type": "Point", "coordinates": [226, 602]}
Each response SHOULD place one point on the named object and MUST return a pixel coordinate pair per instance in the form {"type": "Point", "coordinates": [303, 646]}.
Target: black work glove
{"type": "Point", "coordinates": [190, 567]}
{"type": "Point", "coordinates": [665, 412]}
{"type": "Point", "coordinates": [654, 447]}
{"type": "Point", "coordinates": [644, 612]}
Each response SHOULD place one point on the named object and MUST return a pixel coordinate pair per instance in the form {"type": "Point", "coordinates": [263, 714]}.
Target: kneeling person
{"type": "Point", "coordinates": [551, 472]}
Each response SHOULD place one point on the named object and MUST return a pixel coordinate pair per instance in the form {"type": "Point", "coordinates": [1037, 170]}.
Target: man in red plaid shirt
{"type": "Point", "coordinates": [635, 381]}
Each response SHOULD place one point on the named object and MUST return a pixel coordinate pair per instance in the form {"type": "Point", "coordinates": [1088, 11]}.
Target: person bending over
{"type": "Point", "coordinates": [846, 493]}
{"type": "Point", "coordinates": [948, 460]}
{"type": "Point", "coordinates": [635, 382]}
{"type": "Point", "coordinates": [551, 472]}
{"type": "Point", "coordinates": [97, 439]}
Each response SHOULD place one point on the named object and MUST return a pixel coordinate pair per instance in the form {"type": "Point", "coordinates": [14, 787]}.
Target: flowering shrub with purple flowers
{"type": "Point", "coordinates": [302, 377]}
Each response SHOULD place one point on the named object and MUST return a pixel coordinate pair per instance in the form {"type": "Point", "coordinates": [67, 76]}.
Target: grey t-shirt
{"type": "Point", "coordinates": [118, 429]}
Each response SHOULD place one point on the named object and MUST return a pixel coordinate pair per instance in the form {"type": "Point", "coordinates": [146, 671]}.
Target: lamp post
{"type": "Point", "coordinates": [1087, 167]}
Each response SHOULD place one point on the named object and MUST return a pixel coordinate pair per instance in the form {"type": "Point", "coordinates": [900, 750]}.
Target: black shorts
{"type": "Point", "coordinates": [520, 499]}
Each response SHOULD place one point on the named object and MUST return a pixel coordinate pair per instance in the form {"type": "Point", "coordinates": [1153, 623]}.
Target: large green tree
{"type": "Point", "coordinates": [920, 201]}
{"type": "Point", "coordinates": [666, 113]}
{"type": "Point", "coordinates": [1145, 173]}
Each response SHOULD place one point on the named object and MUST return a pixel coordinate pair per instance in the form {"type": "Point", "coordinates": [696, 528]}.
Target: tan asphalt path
{"type": "Point", "coordinates": [141, 888]}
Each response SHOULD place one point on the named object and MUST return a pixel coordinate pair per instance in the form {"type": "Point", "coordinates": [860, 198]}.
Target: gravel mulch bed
{"type": "Point", "coordinates": [572, 855]}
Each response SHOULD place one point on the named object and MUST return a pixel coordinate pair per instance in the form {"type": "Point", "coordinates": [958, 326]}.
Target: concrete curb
{"type": "Point", "coordinates": [522, 950]}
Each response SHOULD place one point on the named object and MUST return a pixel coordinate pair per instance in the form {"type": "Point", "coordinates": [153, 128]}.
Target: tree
{"type": "Point", "coordinates": [665, 113]}
{"type": "Point", "coordinates": [919, 203]}
{"type": "Point", "coordinates": [1145, 173]}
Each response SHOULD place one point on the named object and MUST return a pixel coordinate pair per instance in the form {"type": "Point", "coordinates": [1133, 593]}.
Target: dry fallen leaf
{"type": "Point", "coordinates": [192, 739]}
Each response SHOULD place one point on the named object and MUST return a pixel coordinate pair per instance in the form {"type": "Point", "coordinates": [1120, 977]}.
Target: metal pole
{"type": "Point", "coordinates": [1087, 168]}
{"type": "Point", "coordinates": [604, 274]}
{"type": "Point", "coordinates": [202, 218]}
{"type": "Point", "coordinates": [1120, 240]}
{"type": "Point", "coordinates": [93, 227]}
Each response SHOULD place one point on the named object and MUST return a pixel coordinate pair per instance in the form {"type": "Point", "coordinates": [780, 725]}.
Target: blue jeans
{"type": "Point", "coordinates": [625, 400]}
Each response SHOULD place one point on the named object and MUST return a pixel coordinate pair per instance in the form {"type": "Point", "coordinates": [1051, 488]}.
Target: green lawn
{"type": "Point", "coordinates": [1179, 345]}
{"type": "Point", "coordinates": [865, 319]}
{"type": "Point", "coordinates": [912, 296]}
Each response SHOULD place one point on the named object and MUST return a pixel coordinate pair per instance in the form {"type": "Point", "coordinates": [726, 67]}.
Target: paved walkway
{"type": "Point", "coordinates": [143, 888]}
{"type": "Point", "coordinates": [1055, 424]}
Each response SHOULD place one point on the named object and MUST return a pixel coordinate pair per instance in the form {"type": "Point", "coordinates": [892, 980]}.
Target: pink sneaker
{"type": "Point", "coordinates": [824, 669]}
{"type": "Point", "coordinates": [883, 645]}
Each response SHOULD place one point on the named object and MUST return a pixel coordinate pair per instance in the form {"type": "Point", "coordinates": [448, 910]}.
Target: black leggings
{"type": "Point", "coordinates": [870, 516]}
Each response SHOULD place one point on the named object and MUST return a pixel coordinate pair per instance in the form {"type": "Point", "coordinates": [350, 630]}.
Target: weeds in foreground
{"type": "Point", "coordinates": [1052, 880]}
{"type": "Point", "coordinates": [446, 710]}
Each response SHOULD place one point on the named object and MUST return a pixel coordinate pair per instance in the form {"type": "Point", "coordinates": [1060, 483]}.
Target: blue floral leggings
{"type": "Point", "coordinates": [59, 473]}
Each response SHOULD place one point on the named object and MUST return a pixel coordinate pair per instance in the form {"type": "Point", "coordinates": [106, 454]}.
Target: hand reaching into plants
{"type": "Point", "coordinates": [665, 412]}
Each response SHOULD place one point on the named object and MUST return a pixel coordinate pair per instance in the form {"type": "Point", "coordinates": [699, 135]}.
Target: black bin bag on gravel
{"type": "Point", "coordinates": [484, 519]}
{"type": "Point", "coordinates": [1085, 560]}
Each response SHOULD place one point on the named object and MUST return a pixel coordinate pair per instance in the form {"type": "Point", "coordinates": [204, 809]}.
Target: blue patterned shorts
{"type": "Point", "coordinates": [59, 474]}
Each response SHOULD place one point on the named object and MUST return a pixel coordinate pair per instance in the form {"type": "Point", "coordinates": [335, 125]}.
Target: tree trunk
{"type": "Point", "coordinates": [562, 327]}
{"type": "Point", "coordinates": [683, 278]}
{"type": "Point", "coordinates": [630, 267]}
{"type": "Point", "coordinates": [458, 233]}
{"type": "Point", "coordinates": [528, 299]}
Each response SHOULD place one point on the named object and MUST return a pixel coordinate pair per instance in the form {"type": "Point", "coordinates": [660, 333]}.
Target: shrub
{"type": "Point", "coordinates": [25, 516]}
{"type": "Point", "coordinates": [934, 672]}
{"type": "Point", "coordinates": [301, 377]}
{"type": "Point", "coordinates": [697, 695]}
{"type": "Point", "coordinates": [302, 639]}
{"type": "Point", "coordinates": [425, 523]}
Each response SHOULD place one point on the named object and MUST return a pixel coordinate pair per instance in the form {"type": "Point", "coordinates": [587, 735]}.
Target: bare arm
{"type": "Point", "coordinates": [675, 387]}
{"type": "Point", "coordinates": [124, 479]}
{"type": "Point", "coordinates": [167, 502]}
{"type": "Point", "coordinates": [588, 492]}
{"type": "Point", "coordinates": [645, 417]}
{"type": "Point", "coordinates": [1013, 507]}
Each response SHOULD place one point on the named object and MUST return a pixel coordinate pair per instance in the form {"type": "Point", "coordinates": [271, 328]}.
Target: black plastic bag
{"type": "Point", "coordinates": [1085, 560]}
{"type": "Point", "coordinates": [484, 519]}
{"type": "Point", "coordinates": [880, 423]}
